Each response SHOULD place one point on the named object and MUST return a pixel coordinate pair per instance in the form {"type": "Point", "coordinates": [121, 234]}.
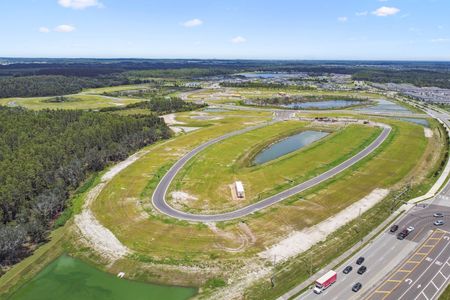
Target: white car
{"type": "Point", "coordinates": [439, 222]}
{"type": "Point", "coordinates": [410, 229]}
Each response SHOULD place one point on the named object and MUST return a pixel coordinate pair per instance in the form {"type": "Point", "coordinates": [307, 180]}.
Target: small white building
{"type": "Point", "coordinates": [239, 189]}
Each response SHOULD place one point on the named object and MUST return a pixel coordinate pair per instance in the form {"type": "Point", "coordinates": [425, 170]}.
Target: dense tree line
{"type": "Point", "coordinates": [45, 155]}
{"type": "Point", "coordinates": [186, 73]}
{"type": "Point", "coordinates": [416, 77]}
{"type": "Point", "coordinates": [259, 84]}
{"type": "Point", "coordinates": [160, 105]}
{"type": "Point", "coordinates": [56, 85]}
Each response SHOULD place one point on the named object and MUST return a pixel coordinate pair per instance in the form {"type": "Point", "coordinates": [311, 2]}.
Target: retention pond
{"type": "Point", "coordinates": [288, 145]}
{"type": "Point", "coordinates": [71, 279]}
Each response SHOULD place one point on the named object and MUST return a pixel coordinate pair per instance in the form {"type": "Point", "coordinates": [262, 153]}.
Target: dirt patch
{"type": "Point", "coordinates": [180, 197]}
{"type": "Point", "coordinates": [428, 132]}
{"type": "Point", "coordinates": [300, 241]}
{"type": "Point", "coordinates": [183, 129]}
{"type": "Point", "coordinates": [170, 120]}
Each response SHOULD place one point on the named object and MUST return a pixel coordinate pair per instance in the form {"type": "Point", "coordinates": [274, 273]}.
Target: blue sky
{"type": "Point", "coordinates": [261, 29]}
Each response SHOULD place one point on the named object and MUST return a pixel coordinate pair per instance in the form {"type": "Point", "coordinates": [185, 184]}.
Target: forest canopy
{"type": "Point", "coordinates": [46, 155]}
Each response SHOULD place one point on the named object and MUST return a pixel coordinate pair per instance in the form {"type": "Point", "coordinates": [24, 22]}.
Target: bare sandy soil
{"type": "Point", "coordinates": [300, 241]}
{"type": "Point", "coordinates": [170, 120]}
{"type": "Point", "coordinates": [95, 234]}
{"type": "Point", "coordinates": [428, 132]}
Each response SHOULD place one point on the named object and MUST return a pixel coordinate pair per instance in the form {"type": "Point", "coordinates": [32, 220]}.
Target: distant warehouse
{"type": "Point", "coordinates": [239, 189]}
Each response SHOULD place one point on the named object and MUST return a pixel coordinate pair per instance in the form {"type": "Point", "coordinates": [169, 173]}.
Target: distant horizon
{"type": "Point", "coordinates": [372, 30]}
{"type": "Point", "coordinates": [227, 59]}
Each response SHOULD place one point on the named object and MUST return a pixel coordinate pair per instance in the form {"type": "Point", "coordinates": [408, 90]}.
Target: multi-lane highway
{"type": "Point", "coordinates": [417, 267]}
{"type": "Point", "coordinates": [159, 195]}
{"type": "Point", "coordinates": [385, 254]}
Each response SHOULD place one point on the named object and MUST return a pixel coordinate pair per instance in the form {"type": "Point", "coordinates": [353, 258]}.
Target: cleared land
{"type": "Point", "coordinates": [77, 101]}
{"type": "Point", "coordinates": [124, 205]}
{"type": "Point", "coordinates": [209, 175]}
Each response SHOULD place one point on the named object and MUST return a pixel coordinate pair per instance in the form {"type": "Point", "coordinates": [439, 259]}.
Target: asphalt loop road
{"type": "Point", "coordinates": [159, 195]}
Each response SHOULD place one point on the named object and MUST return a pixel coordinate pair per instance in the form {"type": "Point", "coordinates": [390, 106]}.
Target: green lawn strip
{"type": "Point", "coordinates": [24, 271]}
{"type": "Point", "coordinates": [446, 294]}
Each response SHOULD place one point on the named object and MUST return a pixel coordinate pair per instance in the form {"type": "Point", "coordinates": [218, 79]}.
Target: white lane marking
{"type": "Point", "coordinates": [443, 275]}
{"type": "Point", "coordinates": [423, 293]}
{"type": "Point", "coordinates": [432, 282]}
{"type": "Point", "coordinates": [423, 273]}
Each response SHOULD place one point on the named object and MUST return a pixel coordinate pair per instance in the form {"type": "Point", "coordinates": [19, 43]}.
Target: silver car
{"type": "Point", "coordinates": [439, 222]}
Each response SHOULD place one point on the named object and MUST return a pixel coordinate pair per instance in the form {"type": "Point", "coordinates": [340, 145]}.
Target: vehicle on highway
{"type": "Point", "coordinates": [410, 229]}
{"type": "Point", "coordinates": [394, 228]}
{"type": "Point", "coordinates": [438, 215]}
{"type": "Point", "coordinates": [401, 236]}
{"type": "Point", "coordinates": [439, 222]}
{"type": "Point", "coordinates": [347, 269]}
{"type": "Point", "coordinates": [360, 260]}
{"type": "Point", "coordinates": [362, 270]}
{"type": "Point", "coordinates": [356, 287]}
{"type": "Point", "coordinates": [325, 281]}
{"type": "Point", "coordinates": [404, 233]}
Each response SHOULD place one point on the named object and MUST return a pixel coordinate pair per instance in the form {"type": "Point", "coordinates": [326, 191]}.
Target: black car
{"type": "Point", "coordinates": [403, 234]}
{"type": "Point", "coordinates": [394, 228]}
{"type": "Point", "coordinates": [360, 260]}
{"type": "Point", "coordinates": [347, 269]}
{"type": "Point", "coordinates": [362, 270]}
{"type": "Point", "coordinates": [356, 287]}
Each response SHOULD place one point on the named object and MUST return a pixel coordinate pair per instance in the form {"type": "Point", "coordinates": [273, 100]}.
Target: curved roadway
{"type": "Point", "coordinates": [159, 195]}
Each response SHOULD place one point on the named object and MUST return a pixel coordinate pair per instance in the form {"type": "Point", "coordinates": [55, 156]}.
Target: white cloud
{"type": "Point", "coordinates": [64, 28]}
{"type": "Point", "coordinates": [193, 23]}
{"type": "Point", "coordinates": [44, 29]}
{"type": "Point", "coordinates": [238, 40]}
{"type": "Point", "coordinates": [342, 19]}
{"type": "Point", "coordinates": [385, 11]}
{"type": "Point", "coordinates": [79, 4]}
{"type": "Point", "coordinates": [362, 13]}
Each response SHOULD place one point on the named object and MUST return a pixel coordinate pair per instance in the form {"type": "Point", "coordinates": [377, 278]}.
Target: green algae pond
{"type": "Point", "coordinates": [71, 279]}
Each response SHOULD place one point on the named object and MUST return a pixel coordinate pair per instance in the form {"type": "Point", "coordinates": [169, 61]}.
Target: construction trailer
{"type": "Point", "coordinates": [239, 189]}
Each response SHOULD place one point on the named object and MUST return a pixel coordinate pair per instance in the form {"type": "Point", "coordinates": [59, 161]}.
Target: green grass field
{"type": "Point", "coordinates": [77, 101]}
{"type": "Point", "coordinates": [209, 175]}
{"type": "Point", "coordinates": [155, 236]}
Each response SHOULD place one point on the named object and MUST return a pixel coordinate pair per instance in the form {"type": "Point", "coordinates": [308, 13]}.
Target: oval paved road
{"type": "Point", "coordinates": [159, 195]}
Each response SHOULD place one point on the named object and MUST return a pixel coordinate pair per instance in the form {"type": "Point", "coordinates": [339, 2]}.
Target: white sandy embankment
{"type": "Point", "coordinates": [300, 241]}
{"type": "Point", "coordinates": [170, 120]}
{"type": "Point", "coordinates": [99, 237]}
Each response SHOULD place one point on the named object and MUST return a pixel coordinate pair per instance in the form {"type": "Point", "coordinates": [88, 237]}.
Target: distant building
{"type": "Point", "coordinates": [239, 189]}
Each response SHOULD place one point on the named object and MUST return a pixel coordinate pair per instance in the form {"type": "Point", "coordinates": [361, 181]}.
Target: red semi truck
{"type": "Point", "coordinates": [325, 281]}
